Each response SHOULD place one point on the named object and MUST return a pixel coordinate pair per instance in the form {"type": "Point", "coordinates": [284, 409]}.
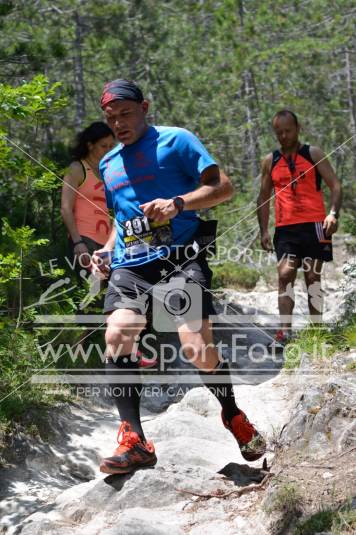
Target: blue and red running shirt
{"type": "Point", "coordinates": [165, 162]}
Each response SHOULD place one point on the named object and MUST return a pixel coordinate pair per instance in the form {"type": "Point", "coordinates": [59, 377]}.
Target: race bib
{"type": "Point", "coordinates": [140, 234]}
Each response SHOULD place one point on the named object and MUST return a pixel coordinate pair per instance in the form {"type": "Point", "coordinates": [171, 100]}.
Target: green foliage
{"type": "Point", "coordinates": [351, 366]}
{"type": "Point", "coordinates": [48, 180]}
{"type": "Point", "coordinates": [22, 237]}
{"type": "Point", "coordinates": [338, 522]}
{"type": "Point", "coordinates": [231, 275]}
{"type": "Point", "coordinates": [348, 223]}
{"type": "Point", "coordinates": [349, 334]}
{"type": "Point", "coordinates": [321, 521]}
{"type": "Point", "coordinates": [286, 499]}
{"type": "Point", "coordinates": [31, 99]}
{"type": "Point", "coordinates": [5, 151]}
{"type": "Point", "coordinates": [16, 263]}
{"type": "Point", "coordinates": [5, 8]}
{"type": "Point", "coordinates": [23, 182]}
{"type": "Point", "coordinates": [320, 343]}
{"type": "Point", "coordinates": [344, 522]}
{"type": "Point", "coordinates": [19, 357]}
{"type": "Point", "coordinates": [10, 267]}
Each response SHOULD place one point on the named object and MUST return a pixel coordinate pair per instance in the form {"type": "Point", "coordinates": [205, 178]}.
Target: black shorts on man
{"type": "Point", "coordinates": [132, 288]}
{"type": "Point", "coordinates": [303, 240]}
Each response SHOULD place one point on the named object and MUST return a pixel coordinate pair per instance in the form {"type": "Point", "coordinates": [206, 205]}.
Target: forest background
{"type": "Point", "coordinates": [219, 68]}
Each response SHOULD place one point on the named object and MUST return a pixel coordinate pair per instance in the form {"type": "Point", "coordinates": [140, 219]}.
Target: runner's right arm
{"type": "Point", "coordinates": [263, 202]}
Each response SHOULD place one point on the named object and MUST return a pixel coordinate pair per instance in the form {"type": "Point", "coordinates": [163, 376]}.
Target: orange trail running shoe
{"type": "Point", "coordinates": [252, 445]}
{"type": "Point", "coordinates": [279, 342]}
{"type": "Point", "coordinates": [131, 454]}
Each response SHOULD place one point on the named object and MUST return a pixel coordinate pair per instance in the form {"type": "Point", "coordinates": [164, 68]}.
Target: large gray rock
{"type": "Point", "coordinates": [324, 419]}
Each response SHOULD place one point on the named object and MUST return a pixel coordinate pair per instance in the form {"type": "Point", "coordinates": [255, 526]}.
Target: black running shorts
{"type": "Point", "coordinates": [135, 287]}
{"type": "Point", "coordinates": [304, 240]}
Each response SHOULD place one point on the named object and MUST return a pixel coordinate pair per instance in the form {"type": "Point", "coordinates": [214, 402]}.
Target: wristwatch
{"type": "Point", "coordinates": [179, 204]}
{"type": "Point", "coordinates": [335, 214]}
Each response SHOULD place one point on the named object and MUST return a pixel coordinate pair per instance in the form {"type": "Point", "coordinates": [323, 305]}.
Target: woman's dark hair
{"type": "Point", "coordinates": [91, 134]}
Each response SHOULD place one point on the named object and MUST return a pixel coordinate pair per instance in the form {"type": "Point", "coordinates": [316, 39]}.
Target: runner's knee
{"type": "Point", "coordinates": [199, 352]}
{"type": "Point", "coordinates": [312, 278]}
{"type": "Point", "coordinates": [123, 326]}
{"type": "Point", "coordinates": [116, 335]}
{"type": "Point", "coordinates": [285, 277]}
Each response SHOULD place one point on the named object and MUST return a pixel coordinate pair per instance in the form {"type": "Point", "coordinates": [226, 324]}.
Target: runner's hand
{"type": "Point", "coordinates": [100, 263]}
{"type": "Point", "coordinates": [266, 242]}
{"type": "Point", "coordinates": [330, 225]}
{"type": "Point", "coordinates": [82, 254]}
{"type": "Point", "coordinates": [159, 209]}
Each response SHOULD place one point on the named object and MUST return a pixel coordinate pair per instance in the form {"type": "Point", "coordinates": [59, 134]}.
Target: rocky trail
{"type": "Point", "coordinates": [201, 484]}
{"type": "Point", "coordinates": [58, 488]}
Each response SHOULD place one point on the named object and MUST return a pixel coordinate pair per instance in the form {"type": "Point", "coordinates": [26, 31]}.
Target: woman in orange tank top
{"type": "Point", "coordinates": [83, 205]}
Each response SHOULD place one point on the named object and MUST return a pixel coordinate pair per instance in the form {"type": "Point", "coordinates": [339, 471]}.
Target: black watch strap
{"type": "Point", "coordinates": [334, 213]}
{"type": "Point", "coordinates": [77, 242]}
{"type": "Point", "coordinates": [179, 203]}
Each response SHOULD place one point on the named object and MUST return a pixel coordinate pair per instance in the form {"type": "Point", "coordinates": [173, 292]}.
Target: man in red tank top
{"type": "Point", "coordinates": [303, 234]}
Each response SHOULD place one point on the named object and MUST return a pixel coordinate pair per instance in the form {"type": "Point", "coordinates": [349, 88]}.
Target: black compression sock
{"type": "Point", "coordinates": [126, 395]}
{"type": "Point", "coordinates": [222, 389]}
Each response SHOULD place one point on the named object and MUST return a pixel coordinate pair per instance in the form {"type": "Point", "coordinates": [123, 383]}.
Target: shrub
{"type": "Point", "coordinates": [286, 499]}
{"type": "Point", "coordinates": [231, 275]}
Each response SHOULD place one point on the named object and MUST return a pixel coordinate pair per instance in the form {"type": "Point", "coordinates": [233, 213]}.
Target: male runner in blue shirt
{"type": "Point", "coordinates": [155, 180]}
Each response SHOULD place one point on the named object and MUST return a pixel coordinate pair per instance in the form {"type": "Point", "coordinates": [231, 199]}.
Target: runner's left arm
{"type": "Point", "coordinates": [329, 176]}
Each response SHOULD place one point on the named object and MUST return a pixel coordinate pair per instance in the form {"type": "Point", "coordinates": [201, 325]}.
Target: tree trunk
{"type": "Point", "coordinates": [251, 159]}
{"type": "Point", "coordinates": [78, 72]}
{"type": "Point", "coordinates": [241, 12]}
{"type": "Point", "coordinates": [252, 144]}
{"type": "Point", "coordinates": [351, 106]}
{"type": "Point", "coordinates": [134, 54]}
